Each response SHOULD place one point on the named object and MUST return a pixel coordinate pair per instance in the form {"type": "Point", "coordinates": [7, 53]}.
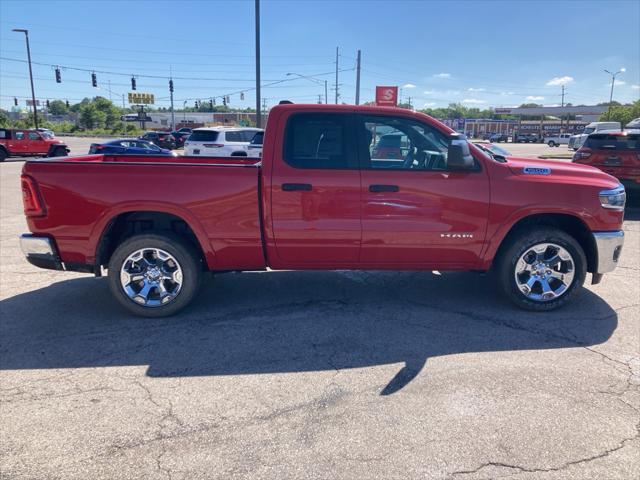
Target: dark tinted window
{"type": "Point", "coordinates": [258, 138]}
{"type": "Point", "coordinates": [613, 142]}
{"type": "Point", "coordinates": [234, 137]}
{"type": "Point", "coordinates": [317, 140]}
{"type": "Point", "coordinates": [203, 136]}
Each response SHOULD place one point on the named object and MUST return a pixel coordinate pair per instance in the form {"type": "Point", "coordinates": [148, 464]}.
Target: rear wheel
{"type": "Point", "coordinates": [551, 143]}
{"type": "Point", "coordinates": [541, 269]}
{"type": "Point", "coordinates": [154, 275]}
{"type": "Point", "coordinates": [3, 155]}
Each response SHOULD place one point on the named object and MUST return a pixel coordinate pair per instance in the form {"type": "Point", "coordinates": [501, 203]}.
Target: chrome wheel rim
{"type": "Point", "coordinates": [544, 272]}
{"type": "Point", "coordinates": [151, 277]}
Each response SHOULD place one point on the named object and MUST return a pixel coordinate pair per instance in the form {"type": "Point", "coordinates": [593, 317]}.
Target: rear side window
{"type": "Point", "coordinates": [613, 142]}
{"type": "Point", "coordinates": [4, 134]}
{"type": "Point", "coordinates": [317, 140]}
{"type": "Point", "coordinates": [239, 136]}
{"type": "Point", "coordinates": [203, 136]}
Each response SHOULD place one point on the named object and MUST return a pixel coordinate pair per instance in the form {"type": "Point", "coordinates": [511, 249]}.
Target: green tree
{"type": "Point", "coordinates": [622, 113]}
{"type": "Point", "coordinates": [91, 117]}
{"type": "Point", "coordinates": [4, 119]}
{"type": "Point", "coordinates": [58, 107]}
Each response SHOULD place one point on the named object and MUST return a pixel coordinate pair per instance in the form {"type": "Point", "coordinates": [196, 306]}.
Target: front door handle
{"type": "Point", "coordinates": [384, 188]}
{"type": "Point", "coordinates": [293, 187]}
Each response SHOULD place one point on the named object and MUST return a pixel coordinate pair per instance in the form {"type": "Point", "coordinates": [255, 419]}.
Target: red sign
{"type": "Point", "coordinates": [387, 96]}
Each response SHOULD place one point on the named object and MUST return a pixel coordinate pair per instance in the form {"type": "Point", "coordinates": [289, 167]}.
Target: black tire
{"type": "Point", "coordinates": [59, 152]}
{"type": "Point", "coordinates": [187, 258]}
{"type": "Point", "coordinates": [552, 143]}
{"type": "Point", "coordinates": [517, 245]}
{"type": "Point", "coordinates": [3, 155]}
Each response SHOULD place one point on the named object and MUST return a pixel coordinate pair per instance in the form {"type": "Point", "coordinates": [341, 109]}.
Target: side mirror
{"type": "Point", "coordinates": [458, 155]}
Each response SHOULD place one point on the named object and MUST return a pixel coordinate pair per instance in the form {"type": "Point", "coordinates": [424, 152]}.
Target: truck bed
{"type": "Point", "coordinates": [217, 197]}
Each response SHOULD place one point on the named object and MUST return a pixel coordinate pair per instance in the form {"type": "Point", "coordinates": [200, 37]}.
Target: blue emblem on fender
{"type": "Point", "coordinates": [536, 170]}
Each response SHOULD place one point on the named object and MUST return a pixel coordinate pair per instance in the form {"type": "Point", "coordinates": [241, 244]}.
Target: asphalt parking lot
{"type": "Point", "coordinates": [315, 375]}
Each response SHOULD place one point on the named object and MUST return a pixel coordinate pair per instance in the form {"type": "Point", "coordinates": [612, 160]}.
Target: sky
{"type": "Point", "coordinates": [479, 53]}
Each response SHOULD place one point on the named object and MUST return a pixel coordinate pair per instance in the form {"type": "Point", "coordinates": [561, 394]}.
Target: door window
{"type": "Point", "coordinates": [401, 144]}
{"type": "Point", "coordinates": [19, 135]}
{"type": "Point", "coordinates": [34, 136]}
{"type": "Point", "coordinates": [316, 140]}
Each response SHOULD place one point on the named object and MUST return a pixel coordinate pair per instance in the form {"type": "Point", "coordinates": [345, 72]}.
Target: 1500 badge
{"type": "Point", "coordinates": [456, 235]}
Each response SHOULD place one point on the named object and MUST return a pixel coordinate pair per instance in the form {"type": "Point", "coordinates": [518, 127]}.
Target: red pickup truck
{"type": "Point", "coordinates": [29, 143]}
{"type": "Point", "coordinates": [320, 199]}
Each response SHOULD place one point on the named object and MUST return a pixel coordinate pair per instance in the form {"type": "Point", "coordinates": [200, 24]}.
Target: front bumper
{"type": "Point", "coordinates": [41, 252]}
{"type": "Point", "coordinates": [608, 249]}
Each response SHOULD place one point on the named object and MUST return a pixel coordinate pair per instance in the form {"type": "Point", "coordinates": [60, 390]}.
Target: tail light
{"type": "Point", "coordinates": [31, 198]}
{"type": "Point", "coordinates": [581, 154]}
{"type": "Point", "coordinates": [100, 147]}
{"type": "Point", "coordinates": [213, 145]}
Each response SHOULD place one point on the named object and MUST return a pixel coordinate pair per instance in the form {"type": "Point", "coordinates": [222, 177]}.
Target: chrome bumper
{"type": "Point", "coordinates": [608, 249]}
{"type": "Point", "coordinates": [40, 252]}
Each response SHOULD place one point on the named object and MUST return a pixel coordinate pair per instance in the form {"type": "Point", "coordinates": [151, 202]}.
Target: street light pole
{"type": "Point", "coordinates": [258, 112]}
{"type": "Point", "coordinates": [613, 81]}
{"type": "Point", "coordinates": [33, 93]}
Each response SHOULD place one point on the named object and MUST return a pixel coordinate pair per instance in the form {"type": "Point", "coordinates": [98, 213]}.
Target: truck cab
{"type": "Point", "coordinates": [576, 141]}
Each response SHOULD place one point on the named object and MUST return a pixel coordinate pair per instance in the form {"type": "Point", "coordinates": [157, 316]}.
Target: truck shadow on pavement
{"type": "Point", "coordinates": [255, 323]}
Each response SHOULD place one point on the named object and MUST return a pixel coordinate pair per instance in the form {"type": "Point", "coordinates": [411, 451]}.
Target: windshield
{"type": "Point", "coordinates": [586, 131]}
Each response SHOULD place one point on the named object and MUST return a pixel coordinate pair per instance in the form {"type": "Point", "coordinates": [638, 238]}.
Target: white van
{"type": "Point", "coordinates": [220, 141]}
{"type": "Point", "coordinates": [576, 141]}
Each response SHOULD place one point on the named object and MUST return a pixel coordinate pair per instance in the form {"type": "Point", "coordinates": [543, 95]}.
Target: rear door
{"type": "Point", "coordinates": [416, 212]}
{"type": "Point", "coordinates": [19, 143]}
{"type": "Point", "coordinates": [315, 193]}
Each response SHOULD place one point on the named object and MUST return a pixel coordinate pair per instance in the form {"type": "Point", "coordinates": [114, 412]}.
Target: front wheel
{"type": "Point", "coordinates": [540, 269]}
{"type": "Point", "coordinates": [154, 275]}
{"type": "Point", "coordinates": [552, 143]}
{"type": "Point", "coordinates": [59, 152]}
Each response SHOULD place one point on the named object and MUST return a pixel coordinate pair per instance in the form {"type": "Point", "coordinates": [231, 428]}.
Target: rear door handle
{"type": "Point", "coordinates": [292, 187]}
{"type": "Point", "coordinates": [384, 188]}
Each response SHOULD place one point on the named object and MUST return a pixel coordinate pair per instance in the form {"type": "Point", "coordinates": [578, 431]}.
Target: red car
{"type": "Point", "coordinates": [29, 143]}
{"type": "Point", "coordinates": [318, 200]}
{"type": "Point", "coordinates": [617, 153]}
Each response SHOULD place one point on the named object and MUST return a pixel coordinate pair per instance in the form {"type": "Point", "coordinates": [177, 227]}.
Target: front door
{"type": "Point", "coordinates": [37, 144]}
{"type": "Point", "coordinates": [315, 193]}
{"type": "Point", "coordinates": [416, 212]}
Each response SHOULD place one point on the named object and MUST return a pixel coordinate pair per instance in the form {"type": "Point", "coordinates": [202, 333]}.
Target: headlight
{"type": "Point", "coordinates": [613, 199]}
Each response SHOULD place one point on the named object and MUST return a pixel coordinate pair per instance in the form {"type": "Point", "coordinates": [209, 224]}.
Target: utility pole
{"type": "Point", "coordinates": [258, 113]}
{"type": "Point", "coordinates": [33, 93]}
{"type": "Point", "coordinates": [409, 102]}
{"type": "Point", "coordinates": [173, 117]}
{"type": "Point", "coordinates": [264, 104]}
{"type": "Point", "coordinates": [562, 103]}
{"type": "Point", "coordinates": [319, 99]}
{"type": "Point", "coordinates": [337, 56]}
{"type": "Point", "coordinates": [358, 78]}
{"type": "Point", "coordinates": [110, 91]}
{"type": "Point", "coordinates": [326, 97]}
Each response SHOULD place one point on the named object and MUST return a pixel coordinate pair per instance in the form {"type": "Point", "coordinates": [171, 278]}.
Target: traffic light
{"type": "Point", "coordinates": [47, 103]}
{"type": "Point", "coordinates": [58, 76]}
{"type": "Point", "coordinates": [241, 95]}
{"type": "Point", "coordinates": [211, 103]}
{"type": "Point", "coordinates": [197, 104]}
{"type": "Point", "coordinates": [15, 101]}
{"type": "Point", "coordinates": [224, 101]}
{"type": "Point", "coordinates": [171, 86]}
{"type": "Point", "coordinates": [94, 80]}
{"type": "Point", "coordinates": [133, 83]}
{"type": "Point", "coordinates": [228, 101]}
{"type": "Point", "coordinates": [67, 102]}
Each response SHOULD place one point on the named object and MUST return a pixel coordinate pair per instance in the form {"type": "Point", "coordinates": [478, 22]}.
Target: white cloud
{"type": "Point", "coordinates": [507, 93]}
{"type": "Point", "coordinates": [428, 104]}
{"type": "Point", "coordinates": [534, 97]}
{"type": "Point", "coordinates": [429, 92]}
{"type": "Point", "coordinates": [471, 89]}
{"type": "Point", "coordinates": [555, 81]}
{"type": "Point", "coordinates": [473, 101]}
{"type": "Point", "coordinates": [635, 87]}
{"type": "Point", "coordinates": [442, 75]}
{"type": "Point", "coordinates": [408, 85]}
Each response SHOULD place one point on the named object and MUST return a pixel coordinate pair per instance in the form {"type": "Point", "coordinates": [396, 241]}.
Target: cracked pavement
{"type": "Point", "coordinates": [315, 375]}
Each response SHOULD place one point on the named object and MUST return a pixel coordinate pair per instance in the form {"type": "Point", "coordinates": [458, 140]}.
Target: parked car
{"type": "Point", "coordinates": [129, 146]}
{"type": "Point", "coordinates": [180, 137]}
{"type": "Point", "coordinates": [255, 145]}
{"type": "Point", "coordinates": [29, 143]}
{"type": "Point", "coordinates": [576, 141]}
{"type": "Point", "coordinates": [527, 138]}
{"type": "Point", "coordinates": [498, 137]}
{"type": "Point", "coordinates": [616, 153]}
{"type": "Point", "coordinates": [185, 130]}
{"type": "Point", "coordinates": [492, 149]}
{"type": "Point", "coordinates": [557, 140]}
{"type": "Point", "coordinates": [633, 124]}
{"type": "Point", "coordinates": [220, 141]}
{"type": "Point", "coordinates": [46, 132]}
{"type": "Point", "coordinates": [161, 139]}
{"type": "Point", "coordinates": [317, 201]}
